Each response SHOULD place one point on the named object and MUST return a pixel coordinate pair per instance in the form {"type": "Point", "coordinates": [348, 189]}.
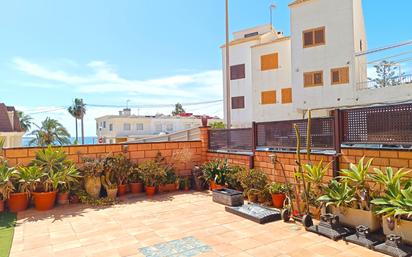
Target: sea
{"type": "Point", "coordinates": [87, 140]}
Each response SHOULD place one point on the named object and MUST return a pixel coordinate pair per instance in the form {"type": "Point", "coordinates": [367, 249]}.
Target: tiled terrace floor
{"type": "Point", "coordinates": [137, 222]}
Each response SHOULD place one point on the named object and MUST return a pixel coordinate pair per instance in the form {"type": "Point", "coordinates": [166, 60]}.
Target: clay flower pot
{"type": "Point", "coordinates": [170, 187]}
{"type": "Point", "coordinates": [121, 189]}
{"type": "Point", "coordinates": [1, 205]}
{"type": "Point", "coordinates": [278, 199]}
{"type": "Point", "coordinates": [74, 199]}
{"type": "Point", "coordinates": [63, 198]}
{"type": "Point", "coordinates": [18, 202]}
{"type": "Point", "coordinates": [214, 186]}
{"type": "Point", "coordinates": [136, 188]}
{"type": "Point", "coordinates": [150, 190]}
{"type": "Point", "coordinates": [111, 193]}
{"type": "Point", "coordinates": [92, 185]}
{"type": "Point", "coordinates": [162, 188]}
{"type": "Point", "coordinates": [44, 201]}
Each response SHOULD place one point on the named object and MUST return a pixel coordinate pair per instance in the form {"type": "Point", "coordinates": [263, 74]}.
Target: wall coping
{"type": "Point", "coordinates": [378, 149]}
{"type": "Point", "coordinates": [232, 153]}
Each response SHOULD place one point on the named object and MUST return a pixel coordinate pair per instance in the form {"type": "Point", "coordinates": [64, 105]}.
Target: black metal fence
{"type": "Point", "coordinates": [382, 125]}
{"type": "Point", "coordinates": [231, 139]}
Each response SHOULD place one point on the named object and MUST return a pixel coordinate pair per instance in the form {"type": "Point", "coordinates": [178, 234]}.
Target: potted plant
{"type": "Point", "coordinates": [360, 212]}
{"type": "Point", "coordinates": [135, 179]}
{"type": "Point", "coordinates": [184, 183]}
{"type": "Point", "coordinates": [69, 177]}
{"type": "Point", "coordinates": [215, 172]}
{"type": "Point", "coordinates": [23, 180]}
{"type": "Point", "coordinates": [121, 168]}
{"type": "Point", "coordinates": [108, 182]}
{"type": "Point", "coordinates": [152, 173]}
{"type": "Point", "coordinates": [254, 182]}
{"type": "Point", "coordinates": [6, 185]}
{"type": "Point", "coordinates": [395, 203]}
{"type": "Point", "coordinates": [169, 181]}
{"type": "Point", "coordinates": [91, 170]}
{"type": "Point", "coordinates": [278, 193]}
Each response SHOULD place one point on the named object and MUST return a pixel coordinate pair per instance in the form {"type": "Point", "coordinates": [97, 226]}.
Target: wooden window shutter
{"type": "Point", "coordinates": [320, 36]}
{"type": "Point", "coordinates": [268, 97]}
{"type": "Point", "coordinates": [340, 76]}
{"type": "Point", "coordinates": [238, 102]}
{"type": "Point", "coordinates": [237, 72]}
{"type": "Point", "coordinates": [318, 78]}
{"type": "Point", "coordinates": [308, 79]}
{"type": "Point", "coordinates": [269, 61]}
{"type": "Point", "coordinates": [307, 38]}
{"type": "Point", "coordinates": [286, 95]}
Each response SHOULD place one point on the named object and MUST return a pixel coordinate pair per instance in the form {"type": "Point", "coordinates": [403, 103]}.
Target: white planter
{"type": "Point", "coordinates": [355, 217]}
{"type": "Point", "coordinates": [403, 228]}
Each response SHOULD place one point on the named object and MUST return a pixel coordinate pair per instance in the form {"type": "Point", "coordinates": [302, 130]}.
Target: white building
{"type": "Point", "coordinates": [321, 66]}
{"type": "Point", "coordinates": [10, 131]}
{"type": "Point", "coordinates": [126, 127]}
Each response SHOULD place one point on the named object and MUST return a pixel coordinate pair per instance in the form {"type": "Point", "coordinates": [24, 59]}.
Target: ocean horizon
{"type": "Point", "coordinates": [87, 140]}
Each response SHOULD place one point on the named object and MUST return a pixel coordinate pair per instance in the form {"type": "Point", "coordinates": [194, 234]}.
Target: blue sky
{"type": "Point", "coordinates": [151, 52]}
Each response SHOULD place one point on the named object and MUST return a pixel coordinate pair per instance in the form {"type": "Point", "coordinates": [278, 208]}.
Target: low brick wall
{"type": "Point", "coordinates": [136, 152]}
{"type": "Point", "coordinates": [233, 159]}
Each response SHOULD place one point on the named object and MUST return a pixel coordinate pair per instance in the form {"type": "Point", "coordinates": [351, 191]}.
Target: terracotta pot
{"type": "Point", "coordinates": [18, 202]}
{"type": "Point", "coordinates": [278, 199]}
{"type": "Point", "coordinates": [136, 188]}
{"type": "Point", "coordinates": [121, 189]}
{"type": "Point", "coordinates": [162, 188]}
{"type": "Point", "coordinates": [214, 186]}
{"type": "Point", "coordinates": [186, 189]}
{"type": "Point", "coordinates": [63, 198]}
{"type": "Point", "coordinates": [150, 191]}
{"type": "Point", "coordinates": [44, 201]}
{"type": "Point", "coordinates": [111, 193]}
{"type": "Point", "coordinates": [1, 205]}
{"type": "Point", "coordinates": [92, 185]}
{"type": "Point", "coordinates": [171, 187]}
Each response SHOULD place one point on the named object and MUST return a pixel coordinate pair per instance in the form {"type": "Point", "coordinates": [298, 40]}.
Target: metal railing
{"type": "Point", "coordinates": [389, 82]}
{"type": "Point", "coordinates": [231, 139]}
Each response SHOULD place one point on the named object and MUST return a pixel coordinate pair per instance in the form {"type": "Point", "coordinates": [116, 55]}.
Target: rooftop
{"type": "Point", "coordinates": [9, 121]}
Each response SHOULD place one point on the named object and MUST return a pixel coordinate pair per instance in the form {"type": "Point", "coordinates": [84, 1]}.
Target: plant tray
{"type": "Point", "coordinates": [330, 227]}
{"type": "Point", "coordinates": [365, 238]}
{"type": "Point", "coordinates": [394, 246]}
{"type": "Point", "coordinates": [255, 212]}
{"type": "Point", "coordinates": [228, 197]}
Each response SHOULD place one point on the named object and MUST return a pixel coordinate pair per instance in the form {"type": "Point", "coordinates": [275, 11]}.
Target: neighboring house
{"type": "Point", "coordinates": [321, 66]}
{"type": "Point", "coordinates": [10, 130]}
{"type": "Point", "coordinates": [127, 127]}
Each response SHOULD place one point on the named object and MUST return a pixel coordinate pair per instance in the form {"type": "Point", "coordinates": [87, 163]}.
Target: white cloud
{"type": "Point", "coordinates": [103, 79]}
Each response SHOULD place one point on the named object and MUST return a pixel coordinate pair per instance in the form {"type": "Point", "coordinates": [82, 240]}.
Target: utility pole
{"type": "Point", "coordinates": [227, 68]}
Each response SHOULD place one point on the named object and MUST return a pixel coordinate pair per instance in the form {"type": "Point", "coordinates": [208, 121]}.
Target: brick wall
{"type": "Point", "coordinates": [136, 152]}
{"type": "Point", "coordinates": [233, 159]}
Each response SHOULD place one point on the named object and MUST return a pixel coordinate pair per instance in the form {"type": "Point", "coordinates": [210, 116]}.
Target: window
{"type": "Point", "coordinates": [126, 126]}
{"type": "Point", "coordinates": [286, 95]}
{"type": "Point", "coordinates": [251, 34]}
{"type": "Point", "coordinates": [314, 37]}
{"type": "Point", "coordinates": [237, 72]}
{"type": "Point", "coordinates": [169, 127]}
{"type": "Point", "coordinates": [238, 102]}
{"type": "Point", "coordinates": [110, 127]}
{"type": "Point", "coordinates": [269, 62]}
{"type": "Point", "coordinates": [313, 79]}
{"type": "Point", "coordinates": [268, 97]}
{"type": "Point", "coordinates": [139, 126]}
{"type": "Point", "coordinates": [104, 124]}
{"type": "Point", "coordinates": [340, 76]}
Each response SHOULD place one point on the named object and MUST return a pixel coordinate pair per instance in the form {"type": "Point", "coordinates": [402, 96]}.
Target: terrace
{"type": "Point", "coordinates": [189, 223]}
{"type": "Point", "coordinates": [127, 228]}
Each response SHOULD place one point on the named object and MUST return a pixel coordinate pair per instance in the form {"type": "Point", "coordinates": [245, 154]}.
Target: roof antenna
{"type": "Point", "coordinates": [127, 103]}
{"type": "Point", "coordinates": [272, 6]}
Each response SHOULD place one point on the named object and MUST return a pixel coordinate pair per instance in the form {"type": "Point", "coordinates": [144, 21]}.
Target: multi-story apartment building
{"type": "Point", "coordinates": [10, 131]}
{"type": "Point", "coordinates": [125, 126]}
{"type": "Point", "coordinates": [321, 66]}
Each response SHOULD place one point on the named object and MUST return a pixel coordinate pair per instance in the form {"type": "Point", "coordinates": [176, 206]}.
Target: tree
{"type": "Point", "coordinates": [51, 132]}
{"type": "Point", "coordinates": [218, 125]}
{"type": "Point", "coordinates": [78, 110]}
{"type": "Point", "coordinates": [178, 109]}
{"type": "Point", "coordinates": [25, 121]}
{"type": "Point", "coordinates": [386, 74]}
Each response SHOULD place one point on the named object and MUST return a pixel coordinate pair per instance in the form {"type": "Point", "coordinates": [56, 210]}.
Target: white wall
{"type": "Point", "coordinates": [272, 80]}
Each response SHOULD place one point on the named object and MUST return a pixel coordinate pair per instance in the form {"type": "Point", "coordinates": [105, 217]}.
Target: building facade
{"type": "Point", "coordinates": [126, 126]}
{"type": "Point", "coordinates": [320, 66]}
{"type": "Point", "coordinates": [10, 131]}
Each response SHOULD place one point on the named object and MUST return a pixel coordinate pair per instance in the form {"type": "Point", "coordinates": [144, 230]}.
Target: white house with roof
{"type": "Point", "coordinates": [321, 66]}
{"type": "Point", "coordinates": [10, 131]}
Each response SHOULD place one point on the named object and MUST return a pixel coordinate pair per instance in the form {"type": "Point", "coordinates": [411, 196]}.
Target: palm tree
{"type": "Point", "coordinates": [78, 110]}
{"type": "Point", "coordinates": [50, 132]}
{"type": "Point", "coordinates": [25, 121]}
{"type": "Point", "coordinates": [72, 111]}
